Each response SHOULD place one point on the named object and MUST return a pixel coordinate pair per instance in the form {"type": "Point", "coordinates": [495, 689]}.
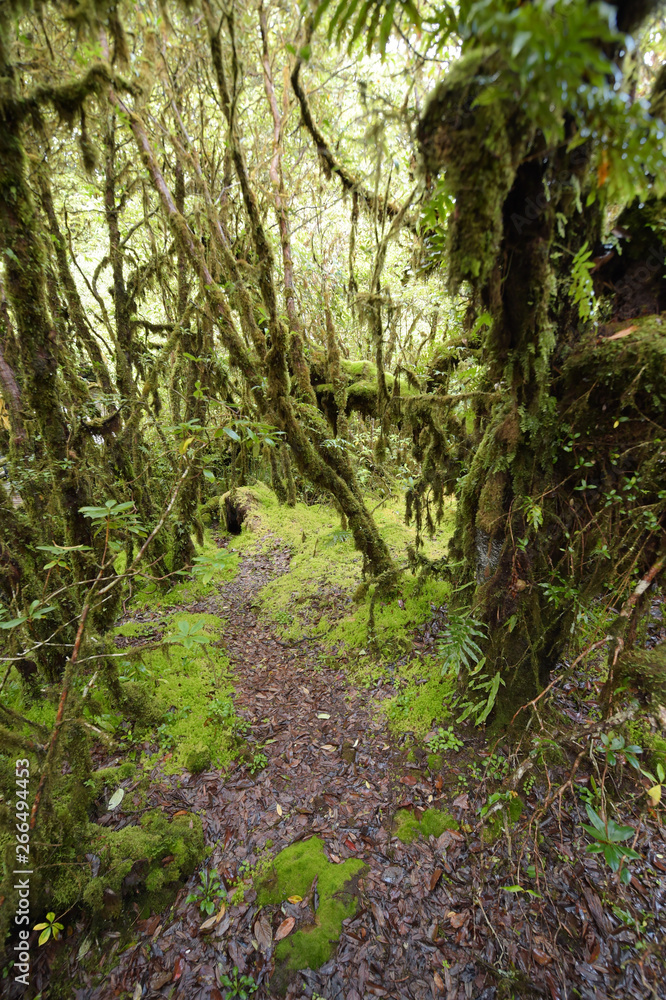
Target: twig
{"type": "Point", "coordinates": [560, 677]}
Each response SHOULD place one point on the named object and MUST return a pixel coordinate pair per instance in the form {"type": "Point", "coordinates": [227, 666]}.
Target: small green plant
{"type": "Point", "coordinates": [505, 801]}
{"type": "Point", "coordinates": [615, 748]}
{"type": "Point", "coordinates": [205, 567]}
{"type": "Point", "coordinates": [189, 635]}
{"type": "Point", "coordinates": [444, 739]}
{"type": "Point", "coordinates": [222, 710]}
{"type": "Point", "coordinates": [581, 289]}
{"type": "Point", "coordinates": [608, 840]}
{"type": "Point", "coordinates": [207, 893]}
{"type": "Point", "coordinates": [50, 929]}
{"type": "Point", "coordinates": [237, 986]}
{"type": "Point", "coordinates": [457, 646]}
{"type": "Point", "coordinates": [165, 737]}
{"type": "Point", "coordinates": [258, 763]}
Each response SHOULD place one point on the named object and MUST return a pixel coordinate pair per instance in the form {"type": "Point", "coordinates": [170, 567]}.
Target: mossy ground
{"type": "Point", "coordinates": [194, 692]}
{"type": "Point", "coordinates": [150, 595]}
{"type": "Point", "coordinates": [325, 572]}
{"type": "Point", "coordinates": [433, 823]}
{"type": "Point", "coordinates": [292, 873]}
{"type": "Point", "coordinates": [132, 865]}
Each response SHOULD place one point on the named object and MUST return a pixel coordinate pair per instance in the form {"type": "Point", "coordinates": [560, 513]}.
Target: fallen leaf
{"type": "Point", "coordinates": [622, 333]}
{"type": "Point", "coordinates": [323, 715]}
{"type": "Point", "coordinates": [116, 799]}
{"type": "Point", "coordinates": [213, 921]}
{"type": "Point", "coordinates": [84, 949]}
{"type": "Point", "coordinates": [541, 956]}
{"type": "Point", "coordinates": [295, 899]}
{"type": "Point", "coordinates": [178, 968]}
{"type": "Point", "coordinates": [278, 809]}
{"type": "Point", "coordinates": [263, 932]}
{"type": "Point", "coordinates": [348, 843]}
{"type": "Point", "coordinates": [181, 812]}
{"type": "Point", "coordinates": [329, 747]}
{"type": "Point", "coordinates": [286, 927]}
{"type": "Point", "coordinates": [159, 980]}
{"type": "Point", "coordinates": [457, 919]}
{"type": "Point", "coordinates": [138, 990]}
{"type": "Point", "coordinates": [462, 801]}
{"type": "Point", "coordinates": [655, 794]}
{"type": "Point", "coordinates": [435, 877]}
{"type": "Point", "coordinates": [439, 982]}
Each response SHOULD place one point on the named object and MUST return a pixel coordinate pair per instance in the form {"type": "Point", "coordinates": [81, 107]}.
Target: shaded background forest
{"type": "Point", "coordinates": [362, 254]}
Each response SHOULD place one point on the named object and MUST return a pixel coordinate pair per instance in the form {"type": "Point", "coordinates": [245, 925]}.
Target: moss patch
{"type": "Point", "coordinates": [422, 698]}
{"type": "Point", "coordinates": [191, 690]}
{"type": "Point", "coordinates": [433, 823]}
{"type": "Point", "coordinates": [316, 596]}
{"type": "Point", "coordinates": [293, 872]}
{"type": "Point", "coordinates": [132, 863]}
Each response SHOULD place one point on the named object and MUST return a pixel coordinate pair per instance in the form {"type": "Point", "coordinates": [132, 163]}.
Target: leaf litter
{"type": "Point", "coordinates": [433, 919]}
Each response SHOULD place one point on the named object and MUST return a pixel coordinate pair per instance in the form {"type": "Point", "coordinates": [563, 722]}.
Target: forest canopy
{"type": "Point", "coordinates": [375, 257]}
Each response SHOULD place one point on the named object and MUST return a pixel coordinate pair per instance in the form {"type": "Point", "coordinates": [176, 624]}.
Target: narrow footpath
{"type": "Point", "coordinates": [433, 919]}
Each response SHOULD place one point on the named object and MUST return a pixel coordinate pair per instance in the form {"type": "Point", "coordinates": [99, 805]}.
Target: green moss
{"type": "Point", "coordinates": [293, 872]}
{"type": "Point", "coordinates": [198, 759]}
{"type": "Point", "coordinates": [179, 687]}
{"type": "Point", "coordinates": [133, 628]}
{"type": "Point", "coordinates": [433, 823]}
{"type": "Point", "coordinates": [325, 562]}
{"type": "Point", "coordinates": [131, 864]}
{"type": "Point", "coordinates": [423, 697]}
{"type": "Point", "coordinates": [434, 761]}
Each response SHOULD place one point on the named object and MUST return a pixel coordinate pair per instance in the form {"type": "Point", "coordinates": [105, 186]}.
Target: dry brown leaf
{"type": "Point", "coordinates": [263, 932]}
{"type": "Point", "coordinates": [286, 927]}
{"type": "Point", "coordinates": [457, 919]}
{"type": "Point", "coordinates": [435, 877]}
{"type": "Point", "coordinates": [439, 982]}
{"type": "Point", "coordinates": [622, 333]}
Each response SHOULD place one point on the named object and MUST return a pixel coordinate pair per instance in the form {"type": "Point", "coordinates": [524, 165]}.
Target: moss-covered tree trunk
{"type": "Point", "coordinates": [529, 517]}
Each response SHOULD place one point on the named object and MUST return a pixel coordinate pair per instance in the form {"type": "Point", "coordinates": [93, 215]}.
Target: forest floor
{"type": "Point", "coordinates": [469, 914]}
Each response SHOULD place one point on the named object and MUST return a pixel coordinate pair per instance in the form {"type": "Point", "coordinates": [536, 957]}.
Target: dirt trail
{"type": "Point", "coordinates": [432, 919]}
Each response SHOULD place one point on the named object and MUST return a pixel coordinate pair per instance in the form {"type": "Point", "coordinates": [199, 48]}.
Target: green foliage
{"type": "Point", "coordinates": [445, 739]}
{"type": "Point", "coordinates": [50, 928]}
{"type": "Point", "coordinates": [258, 763]}
{"type": "Point", "coordinates": [114, 516]}
{"type": "Point", "coordinates": [237, 986]}
{"type": "Point", "coordinates": [374, 17]}
{"type": "Point", "coordinates": [189, 634]}
{"type": "Point", "coordinates": [457, 646]}
{"type": "Point", "coordinates": [609, 838]}
{"type": "Point", "coordinates": [581, 290]}
{"type": "Point", "coordinates": [205, 567]}
{"type": "Point", "coordinates": [208, 893]}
